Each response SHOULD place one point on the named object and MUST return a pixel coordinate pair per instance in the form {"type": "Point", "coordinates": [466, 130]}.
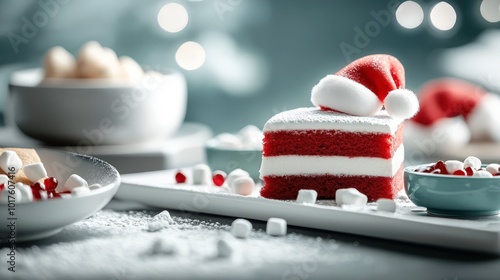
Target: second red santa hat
{"type": "Point", "coordinates": [364, 86]}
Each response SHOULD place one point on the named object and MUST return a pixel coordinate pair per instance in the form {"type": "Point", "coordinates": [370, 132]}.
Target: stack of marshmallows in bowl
{"type": "Point", "coordinates": [96, 98]}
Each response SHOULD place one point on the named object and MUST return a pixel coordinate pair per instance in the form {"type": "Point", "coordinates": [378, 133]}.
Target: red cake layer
{"type": "Point", "coordinates": [374, 187]}
{"type": "Point", "coordinates": [331, 143]}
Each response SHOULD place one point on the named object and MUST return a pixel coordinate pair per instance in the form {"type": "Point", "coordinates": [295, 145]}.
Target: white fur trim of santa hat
{"type": "Point", "coordinates": [401, 103]}
{"type": "Point", "coordinates": [443, 134]}
{"type": "Point", "coordinates": [484, 120]}
{"type": "Point", "coordinates": [345, 95]}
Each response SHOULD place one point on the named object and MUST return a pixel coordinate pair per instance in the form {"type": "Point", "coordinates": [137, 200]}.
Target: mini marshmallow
{"type": "Point", "coordinates": [453, 165]}
{"type": "Point", "coordinates": [482, 174]}
{"type": "Point", "coordinates": [473, 162]}
{"type": "Point", "coordinates": [493, 168]}
{"type": "Point", "coordinates": [241, 228]}
{"type": "Point", "coordinates": [228, 141]}
{"type": "Point", "coordinates": [94, 61]}
{"type": "Point", "coordinates": [202, 175]}
{"type": "Point", "coordinates": [95, 186]}
{"type": "Point", "coordinates": [160, 221]}
{"type": "Point", "coordinates": [59, 63]}
{"type": "Point", "coordinates": [10, 159]}
{"type": "Point", "coordinates": [35, 171]}
{"type": "Point", "coordinates": [233, 175]}
{"type": "Point", "coordinates": [386, 205]}
{"type": "Point", "coordinates": [4, 180]}
{"type": "Point", "coordinates": [350, 196]}
{"type": "Point", "coordinates": [243, 185]}
{"type": "Point", "coordinates": [251, 137]}
{"type": "Point", "coordinates": [224, 248]}
{"type": "Point", "coordinates": [26, 193]}
{"type": "Point", "coordinates": [307, 196]}
{"type": "Point", "coordinates": [276, 227]}
{"type": "Point", "coordinates": [72, 182]}
{"type": "Point", "coordinates": [131, 70]}
{"type": "Point", "coordinates": [18, 196]}
{"type": "Point", "coordinates": [164, 247]}
{"type": "Point", "coordinates": [80, 190]}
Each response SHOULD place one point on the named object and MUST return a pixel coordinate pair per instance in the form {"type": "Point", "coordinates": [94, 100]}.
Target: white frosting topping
{"type": "Point", "coordinates": [333, 165]}
{"type": "Point", "coordinates": [313, 118]}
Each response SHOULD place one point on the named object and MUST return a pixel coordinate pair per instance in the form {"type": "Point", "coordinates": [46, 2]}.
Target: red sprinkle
{"type": "Point", "coordinates": [460, 172]}
{"type": "Point", "coordinates": [180, 178]}
{"type": "Point", "coordinates": [50, 184]}
{"type": "Point", "coordinates": [2, 186]}
{"type": "Point", "coordinates": [219, 178]}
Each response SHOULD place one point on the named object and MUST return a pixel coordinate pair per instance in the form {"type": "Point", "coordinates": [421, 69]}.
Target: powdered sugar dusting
{"type": "Point", "coordinates": [315, 119]}
{"type": "Point", "coordinates": [117, 245]}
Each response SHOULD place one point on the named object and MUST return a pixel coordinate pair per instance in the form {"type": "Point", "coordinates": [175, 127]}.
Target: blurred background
{"type": "Point", "coordinates": [246, 60]}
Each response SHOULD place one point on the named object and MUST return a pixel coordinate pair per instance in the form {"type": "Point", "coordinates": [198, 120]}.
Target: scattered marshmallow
{"type": "Point", "coordinates": [35, 171]}
{"type": "Point", "coordinates": [243, 185]}
{"type": "Point", "coordinates": [163, 247]}
{"type": "Point", "coordinates": [453, 165]}
{"type": "Point", "coordinates": [473, 162]}
{"type": "Point", "coordinates": [276, 227]}
{"type": "Point", "coordinates": [307, 196]}
{"type": "Point", "coordinates": [10, 159]}
{"type": "Point", "coordinates": [351, 198]}
{"type": "Point", "coordinates": [160, 221]}
{"type": "Point", "coordinates": [241, 228]}
{"type": "Point", "coordinates": [73, 181]}
{"type": "Point", "coordinates": [493, 168]}
{"type": "Point", "coordinates": [95, 186]}
{"type": "Point", "coordinates": [202, 175]}
{"type": "Point", "coordinates": [233, 175]}
{"type": "Point", "coordinates": [386, 205]}
{"type": "Point", "coordinates": [26, 193]}
{"type": "Point", "coordinates": [482, 174]}
{"type": "Point", "coordinates": [225, 248]}
{"type": "Point", "coordinates": [80, 190]}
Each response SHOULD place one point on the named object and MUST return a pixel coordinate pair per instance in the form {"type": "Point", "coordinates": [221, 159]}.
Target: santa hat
{"type": "Point", "coordinates": [443, 99]}
{"type": "Point", "coordinates": [364, 86]}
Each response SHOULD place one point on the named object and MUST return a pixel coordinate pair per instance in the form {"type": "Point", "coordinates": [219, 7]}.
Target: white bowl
{"type": "Point", "coordinates": [98, 111]}
{"type": "Point", "coordinates": [40, 219]}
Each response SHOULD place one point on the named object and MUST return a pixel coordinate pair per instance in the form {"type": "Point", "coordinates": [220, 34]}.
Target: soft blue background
{"type": "Point", "coordinates": [279, 49]}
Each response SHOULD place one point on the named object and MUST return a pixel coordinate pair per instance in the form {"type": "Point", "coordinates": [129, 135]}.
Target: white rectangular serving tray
{"type": "Point", "coordinates": [409, 224]}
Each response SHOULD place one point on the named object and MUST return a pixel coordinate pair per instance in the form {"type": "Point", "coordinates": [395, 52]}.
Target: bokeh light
{"type": "Point", "coordinates": [490, 10]}
{"type": "Point", "coordinates": [190, 56]}
{"type": "Point", "coordinates": [443, 16]}
{"type": "Point", "coordinates": [173, 17]}
{"type": "Point", "coordinates": [410, 14]}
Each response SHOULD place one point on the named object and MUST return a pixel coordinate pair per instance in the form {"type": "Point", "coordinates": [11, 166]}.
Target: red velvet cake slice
{"type": "Point", "coordinates": [308, 148]}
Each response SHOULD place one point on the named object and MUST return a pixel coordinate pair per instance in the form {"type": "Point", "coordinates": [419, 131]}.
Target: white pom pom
{"type": "Point", "coordinates": [401, 104]}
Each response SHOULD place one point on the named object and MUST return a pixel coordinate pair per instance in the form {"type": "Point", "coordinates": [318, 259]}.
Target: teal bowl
{"type": "Point", "coordinates": [227, 159]}
{"type": "Point", "coordinates": [451, 195]}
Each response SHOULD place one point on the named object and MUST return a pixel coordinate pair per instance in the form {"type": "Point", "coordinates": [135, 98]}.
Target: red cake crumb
{"type": "Point", "coordinates": [374, 187]}
{"type": "Point", "coordinates": [332, 143]}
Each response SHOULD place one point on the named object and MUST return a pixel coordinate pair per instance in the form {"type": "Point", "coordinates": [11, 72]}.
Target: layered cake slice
{"type": "Point", "coordinates": [352, 138]}
{"type": "Point", "coordinates": [308, 148]}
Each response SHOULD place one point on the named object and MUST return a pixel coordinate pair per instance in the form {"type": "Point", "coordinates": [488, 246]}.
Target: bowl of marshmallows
{"type": "Point", "coordinates": [96, 98]}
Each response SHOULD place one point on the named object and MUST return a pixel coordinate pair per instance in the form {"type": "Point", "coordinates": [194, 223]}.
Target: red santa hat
{"type": "Point", "coordinates": [364, 86]}
{"type": "Point", "coordinates": [443, 99]}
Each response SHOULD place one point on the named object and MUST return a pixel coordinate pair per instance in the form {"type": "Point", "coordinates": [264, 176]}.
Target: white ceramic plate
{"type": "Point", "coordinates": [42, 219]}
{"type": "Point", "coordinates": [409, 224]}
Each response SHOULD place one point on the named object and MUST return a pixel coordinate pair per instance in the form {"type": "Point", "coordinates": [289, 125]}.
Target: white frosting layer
{"type": "Point", "coordinates": [333, 165]}
{"type": "Point", "coordinates": [313, 118]}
